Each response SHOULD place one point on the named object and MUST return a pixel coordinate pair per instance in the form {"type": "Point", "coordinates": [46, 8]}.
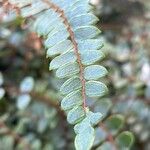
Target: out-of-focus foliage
{"type": "Point", "coordinates": [127, 31]}
{"type": "Point", "coordinates": [29, 97]}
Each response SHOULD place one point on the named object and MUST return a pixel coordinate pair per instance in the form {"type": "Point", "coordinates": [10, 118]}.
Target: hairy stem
{"type": "Point", "coordinates": [76, 50]}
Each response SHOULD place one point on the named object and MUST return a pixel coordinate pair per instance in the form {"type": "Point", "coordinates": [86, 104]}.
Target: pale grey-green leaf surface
{"type": "Point", "coordinates": [86, 32]}
{"type": "Point", "coordinates": [71, 100]}
{"type": "Point", "coordinates": [57, 37]}
{"type": "Point", "coordinates": [95, 89]}
{"type": "Point", "coordinates": [94, 72]}
{"type": "Point", "coordinates": [68, 70]}
{"type": "Point", "coordinates": [85, 135]}
{"type": "Point", "coordinates": [58, 61]}
{"type": "Point", "coordinates": [71, 85]}
{"type": "Point", "coordinates": [90, 57]}
{"type": "Point", "coordinates": [83, 20]}
{"type": "Point", "coordinates": [84, 140]}
{"type": "Point", "coordinates": [89, 44]}
{"type": "Point", "coordinates": [75, 115]}
{"type": "Point", "coordinates": [59, 48]}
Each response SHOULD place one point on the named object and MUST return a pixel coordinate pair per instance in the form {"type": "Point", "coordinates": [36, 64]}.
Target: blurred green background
{"type": "Point", "coordinates": [30, 115]}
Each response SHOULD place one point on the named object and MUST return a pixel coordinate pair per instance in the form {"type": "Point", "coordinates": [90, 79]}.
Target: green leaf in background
{"type": "Point", "coordinates": [106, 146]}
{"type": "Point", "coordinates": [100, 136]}
{"type": "Point", "coordinates": [103, 105]}
{"type": "Point", "coordinates": [2, 93]}
{"type": "Point", "coordinates": [1, 79]}
{"type": "Point", "coordinates": [7, 142]}
{"type": "Point", "coordinates": [23, 101]}
{"type": "Point", "coordinates": [114, 123]}
{"type": "Point", "coordinates": [125, 140]}
{"type": "Point", "coordinates": [27, 84]}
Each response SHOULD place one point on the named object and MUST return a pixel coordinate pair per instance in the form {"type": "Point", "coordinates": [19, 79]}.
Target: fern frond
{"type": "Point", "coordinates": [71, 38]}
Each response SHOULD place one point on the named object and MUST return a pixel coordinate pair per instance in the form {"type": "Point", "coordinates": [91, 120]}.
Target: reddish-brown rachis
{"type": "Point", "coordinates": [76, 50]}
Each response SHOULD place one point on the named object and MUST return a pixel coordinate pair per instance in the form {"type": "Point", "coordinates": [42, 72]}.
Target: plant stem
{"type": "Point", "coordinates": [76, 50]}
